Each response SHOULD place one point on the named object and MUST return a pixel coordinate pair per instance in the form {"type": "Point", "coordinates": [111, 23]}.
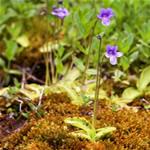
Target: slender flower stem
{"type": "Point", "coordinates": [98, 79]}
{"type": "Point", "coordinates": [88, 55]}
{"type": "Point", "coordinates": [9, 64]}
{"type": "Point", "coordinates": [52, 66]}
{"type": "Point", "coordinates": [93, 3]}
{"type": "Point", "coordinates": [47, 3]}
{"type": "Point", "coordinates": [59, 27]}
{"type": "Point", "coordinates": [47, 74]}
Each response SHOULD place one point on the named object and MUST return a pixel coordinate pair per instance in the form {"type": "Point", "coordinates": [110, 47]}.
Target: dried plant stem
{"type": "Point", "coordinates": [98, 80]}
{"type": "Point", "coordinates": [41, 96]}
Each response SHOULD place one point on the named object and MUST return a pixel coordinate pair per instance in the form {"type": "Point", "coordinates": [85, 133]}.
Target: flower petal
{"type": "Point", "coordinates": [108, 47]}
{"type": "Point", "coordinates": [110, 12]}
{"type": "Point", "coordinates": [113, 60]}
{"type": "Point", "coordinates": [105, 21]}
{"type": "Point", "coordinates": [119, 54]}
{"type": "Point", "coordinates": [107, 55]}
{"type": "Point", "coordinates": [60, 12]}
{"type": "Point", "coordinates": [99, 16]}
{"type": "Point", "coordinates": [115, 48]}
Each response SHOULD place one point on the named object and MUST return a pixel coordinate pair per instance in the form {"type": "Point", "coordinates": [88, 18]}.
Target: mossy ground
{"type": "Point", "coordinates": [50, 133]}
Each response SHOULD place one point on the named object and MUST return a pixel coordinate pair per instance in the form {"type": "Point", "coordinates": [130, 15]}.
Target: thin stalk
{"type": "Point", "coordinates": [6, 77]}
{"type": "Point", "coordinates": [58, 26]}
{"type": "Point", "coordinates": [46, 57]}
{"type": "Point", "coordinates": [8, 65]}
{"type": "Point", "coordinates": [47, 3]}
{"type": "Point", "coordinates": [93, 3]}
{"type": "Point", "coordinates": [47, 75]}
{"type": "Point", "coordinates": [98, 79]}
{"type": "Point", "coordinates": [60, 23]}
{"type": "Point", "coordinates": [69, 68]}
{"type": "Point", "coordinates": [52, 53]}
{"type": "Point", "coordinates": [88, 55]}
{"type": "Point", "coordinates": [52, 66]}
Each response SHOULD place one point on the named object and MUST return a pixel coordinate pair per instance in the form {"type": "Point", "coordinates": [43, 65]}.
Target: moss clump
{"type": "Point", "coordinates": [35, 145]}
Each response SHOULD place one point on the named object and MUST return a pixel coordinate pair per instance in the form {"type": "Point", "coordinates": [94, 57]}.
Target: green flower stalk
{"type": "Point", "coordinates": [47, 75]}
{"type": "Point", "coordinates": [46, 57]}
{"type": "Point", "coordinates": [98, 79]}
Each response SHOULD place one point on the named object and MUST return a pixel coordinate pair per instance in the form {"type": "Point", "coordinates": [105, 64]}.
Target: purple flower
{"type": "Point", "coordinates": [105, 15]}
{"type": "Point", "coordinates": [112, 54]}
{"type": "Point", "coordinates": [60, 12]}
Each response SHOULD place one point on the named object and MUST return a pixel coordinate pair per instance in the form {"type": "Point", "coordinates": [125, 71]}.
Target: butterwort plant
{"type": "Point", "coordinates": [60, 13]}
{"type": "Point", "coordinates": [104, 16]}
{"type": "Point", "coordinates": [111, 53]}
{"type": "Point", "coordinates": [88, 130]}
